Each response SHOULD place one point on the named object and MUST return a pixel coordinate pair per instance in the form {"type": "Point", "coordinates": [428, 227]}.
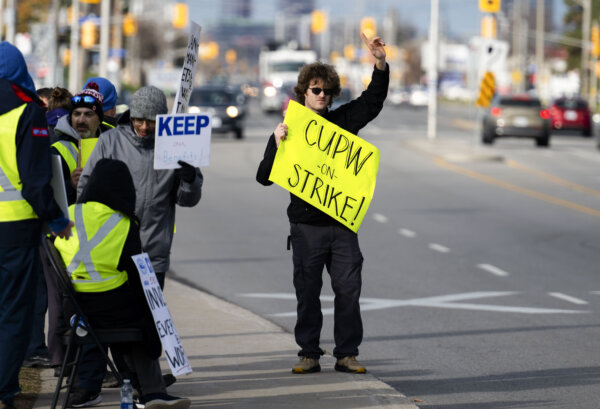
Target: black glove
{"type": "Point", "coordinates": [186, 172]}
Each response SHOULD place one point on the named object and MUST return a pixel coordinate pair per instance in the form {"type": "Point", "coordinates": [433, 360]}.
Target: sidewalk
{"type": "Point", "coordinates": [241, 360]}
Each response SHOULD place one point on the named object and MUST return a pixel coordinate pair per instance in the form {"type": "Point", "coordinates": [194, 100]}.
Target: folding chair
{"type": "Point", "coordinates": [87, 335]}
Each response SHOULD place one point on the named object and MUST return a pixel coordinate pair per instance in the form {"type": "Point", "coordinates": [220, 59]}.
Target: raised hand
{"type": "Point", "coordinates": [377, 48]}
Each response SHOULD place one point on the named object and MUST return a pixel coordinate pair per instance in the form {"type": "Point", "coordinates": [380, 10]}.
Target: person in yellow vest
{"type": "Point", "coordinates": [77, 133]}
{"type": "Point", "coordinates": [26, 201]}
{"type": "Point", "coordinates": [98, 258]}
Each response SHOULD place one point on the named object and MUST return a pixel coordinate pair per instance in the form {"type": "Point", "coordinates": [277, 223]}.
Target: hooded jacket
{"type": "Point", "coordinates": [125, 306]}
{"type": "Point", "coordinates": [157, 191]}
{"type": "Point", "coordinates": [33, 153]}
{"type": "Point", "coordinates": [352, 116]}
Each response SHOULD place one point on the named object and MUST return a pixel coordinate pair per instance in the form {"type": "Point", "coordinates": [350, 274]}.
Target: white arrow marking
{"type": "Point", "coordinates": [442, 301]}
{"type": "Point", "coordinates": [568, 298]}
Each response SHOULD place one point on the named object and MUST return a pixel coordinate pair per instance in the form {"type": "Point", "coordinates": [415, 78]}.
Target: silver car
{"type": "Point", "coordinates": [521, 116]}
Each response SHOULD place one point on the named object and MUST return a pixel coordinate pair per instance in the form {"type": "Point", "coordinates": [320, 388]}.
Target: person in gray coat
{"type": "Point", "coordinates": [157, 191]}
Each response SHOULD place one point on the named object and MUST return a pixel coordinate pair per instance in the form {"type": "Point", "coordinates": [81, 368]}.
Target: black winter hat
{"type": "Point", "coordinates": [89, 98]}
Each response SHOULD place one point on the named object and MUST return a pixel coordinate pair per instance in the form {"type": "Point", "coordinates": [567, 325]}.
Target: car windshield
{"type": "Point", "coordinates": [209, 97]}
{"type": "Point", "coordinates": [520, 102]}
{"type": "Point", "coordinates": [571, 104]}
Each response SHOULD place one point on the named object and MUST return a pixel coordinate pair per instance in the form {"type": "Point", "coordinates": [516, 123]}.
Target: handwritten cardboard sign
{"type": "Point", "coordinates": [326, 166]}
{"type": "Point", "coordinates": [183, 137]}
{"type": "Point", "coordinates": [178, 361]}
{"type": "Point", "coordinates": [190, 64]}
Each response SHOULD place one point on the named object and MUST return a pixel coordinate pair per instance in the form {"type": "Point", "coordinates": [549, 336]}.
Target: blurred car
{"type": "Point", "coordinates": [571, 114]}
{"type": "Point", "coordinates": [398, 96]}
{"type": "Point", "coordinates": [419, 96]}
{"type": "Point", "coordinates": [287, 91]}
{"type": "Point", "coordinates": [226, 104]}
{"type": "Point", "coordinates": [516, 115]}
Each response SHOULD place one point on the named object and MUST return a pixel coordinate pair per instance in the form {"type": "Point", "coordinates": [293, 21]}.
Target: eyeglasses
{"type": "Point", "coordinates": [140, 122]}
{"type": "Point", "coordinates": [317, 91]}
{"type": "Point", "coordinates": [87, 99]}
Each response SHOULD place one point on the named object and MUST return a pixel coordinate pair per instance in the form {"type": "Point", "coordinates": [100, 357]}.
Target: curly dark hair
{"type": "Point", "coordinates": [59, 98]}
{"type": "Point", "coordinates": [317, 70]}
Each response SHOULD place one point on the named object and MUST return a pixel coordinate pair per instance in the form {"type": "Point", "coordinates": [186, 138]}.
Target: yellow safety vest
{"type": "Point", "coordinates": [68, 150]}
{"type": "Point", "coordinates": [12, 205]}
{"type": "Point", "coordinates": [92, 254]}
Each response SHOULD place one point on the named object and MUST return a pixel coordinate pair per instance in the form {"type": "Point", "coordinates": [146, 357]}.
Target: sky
{"type": "Point", "coordinates": [459, 17]}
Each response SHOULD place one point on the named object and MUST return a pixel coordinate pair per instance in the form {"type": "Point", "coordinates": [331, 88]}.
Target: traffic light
{"type": "Point", "coordinates": [318, 21]}
{"type": "Point", "coordinates": [129, 25]}
{"type": "Point", "coordinates": [180, 15]}
{"type": "Point", "coordinates": [231, 56]}
{"type": "Point", "coordinates": [88, 34]}
{"type": "Point", "coordinates": [486, 91]}
{"type": "Point", "coordinates": [368, 26]}
{"type": "Point", "coordinates": [489, 6]}
{"type": "Point", "coordinates": [595, 40]}
{"type": "Point", "coordinates": [349, 52]}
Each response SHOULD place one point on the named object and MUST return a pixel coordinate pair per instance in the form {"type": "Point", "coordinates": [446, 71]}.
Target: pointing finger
{"type": "Point", "coordinates": [365, 39]}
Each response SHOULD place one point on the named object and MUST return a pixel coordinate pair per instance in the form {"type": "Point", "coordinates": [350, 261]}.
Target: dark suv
{"type": "Point", "coordinates": [226, 104]}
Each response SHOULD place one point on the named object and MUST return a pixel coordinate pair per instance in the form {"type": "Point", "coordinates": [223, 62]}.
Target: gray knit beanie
{"type": "Point", "coordinates": [147, 102]}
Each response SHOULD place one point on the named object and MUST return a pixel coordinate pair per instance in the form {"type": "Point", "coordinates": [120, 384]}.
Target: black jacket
{"type": "Point", "coordinates": [33, 162]}
{"type": "Point", "coordinates": [352, 116]}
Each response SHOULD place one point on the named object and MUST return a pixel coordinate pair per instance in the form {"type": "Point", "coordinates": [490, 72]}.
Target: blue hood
{"type": "Point", "coordinates": [13, 67]}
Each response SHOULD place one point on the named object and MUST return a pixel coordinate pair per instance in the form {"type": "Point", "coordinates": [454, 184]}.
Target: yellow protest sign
{"type": "Point", "coordinates": [87, 146]}
{"type": "Point", "coordinates": [326, 166]}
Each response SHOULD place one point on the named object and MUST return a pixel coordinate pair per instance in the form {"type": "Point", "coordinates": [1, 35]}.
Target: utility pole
{"type": "Point", "coordinates": [10, 19]}
{"type": "Point", "coordinates": [74, 63]}
{"type": "Point", "coordinates": [585, 49]}
{"type": "Point", "coordinates": [104, 36]}
{"type": "Point", "coordinates": [432, 73]}
{"type": "Point", "coordinates": [539, 47]}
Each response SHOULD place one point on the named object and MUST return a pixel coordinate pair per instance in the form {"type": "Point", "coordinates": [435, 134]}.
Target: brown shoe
{"type": "Point", "coordinates": [307, 365]}
{"type": "Point", "coordinates": [349, 364]}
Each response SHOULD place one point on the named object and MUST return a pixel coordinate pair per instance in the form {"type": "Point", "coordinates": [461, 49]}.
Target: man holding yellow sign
{"type": "Point", "coordinates": [330, 174]}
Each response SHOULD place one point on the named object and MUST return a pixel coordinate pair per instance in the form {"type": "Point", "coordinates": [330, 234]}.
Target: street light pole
{"type": "Point", "coordinates": [585, 48]}
{"type": "Point", "coordinates": [432, 69]}
{"type": "Point", "coordinates": [539, 47]}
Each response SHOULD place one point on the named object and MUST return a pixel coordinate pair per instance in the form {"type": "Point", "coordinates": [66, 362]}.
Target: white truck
{"type": "Point", "coordinates": [278, 73]}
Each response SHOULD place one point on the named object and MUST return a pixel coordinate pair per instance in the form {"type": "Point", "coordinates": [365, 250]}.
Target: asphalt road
{"type": "Point", "coordinates": [480, 284]}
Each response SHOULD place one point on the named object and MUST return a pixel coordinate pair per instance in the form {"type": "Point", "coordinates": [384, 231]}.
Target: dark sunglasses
{"type": "Point", "coordinates": [87, 99]}
{"type": "Point", "coordinates": [317, 91]}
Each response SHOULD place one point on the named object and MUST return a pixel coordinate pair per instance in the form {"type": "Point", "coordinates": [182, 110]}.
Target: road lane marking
{"type": "Point", "coordinates": [407, 233]}
{"type": "Point", "coordinates": [568, 298]}
{"type": "Point", "coordinates": [449, 301]}
{"type": "Point", "coordinates": [554, 179]}
{"type": "Point", "coordinates": [494, 270]}
{"type": "Point", "coordinates": [378, 217]}
{"type": "Point", "coordinates": [439, 248]}
{"type": "Point", "coordinates": [515, 188]}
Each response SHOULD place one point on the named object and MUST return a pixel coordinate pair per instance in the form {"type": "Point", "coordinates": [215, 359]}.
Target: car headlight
{"type": "Point", "coordinates": [270, 91]}
{"type": "Point", "coordinates": [232, 111]}
{"type": "Point", "coordinates": [193, 110]}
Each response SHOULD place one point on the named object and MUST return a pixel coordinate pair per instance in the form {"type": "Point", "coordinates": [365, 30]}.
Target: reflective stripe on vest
{"type": "Point", "coordinates": [69, 152]}
{"type": "Point", "coordinates": [92, 262]}
{"type": "Point", "coordinates": [12, 205]}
